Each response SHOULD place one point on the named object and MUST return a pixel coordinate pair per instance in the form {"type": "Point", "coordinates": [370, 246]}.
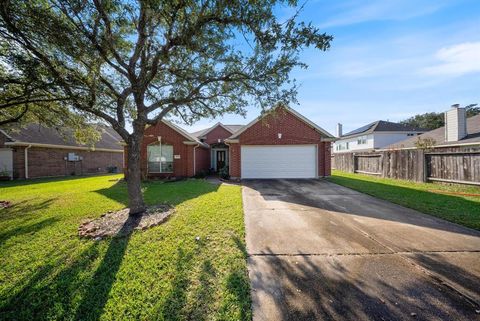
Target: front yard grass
{"type": "Point", "coordinates": [48, 273]}
{"type": "Point", "coordinates": [440, 200]}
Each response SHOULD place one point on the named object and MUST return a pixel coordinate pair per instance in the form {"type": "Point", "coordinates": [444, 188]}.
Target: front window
{"type": "Point", "coordinates": [160, 158]}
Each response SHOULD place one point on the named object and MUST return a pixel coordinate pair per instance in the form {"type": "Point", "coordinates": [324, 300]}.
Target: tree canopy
{"type": "Point", "coordinates": [141, 60]}
{"type": "Point", "coordinates": [132, 63]}
{"type": "Point", "coordinates": [435, 120]}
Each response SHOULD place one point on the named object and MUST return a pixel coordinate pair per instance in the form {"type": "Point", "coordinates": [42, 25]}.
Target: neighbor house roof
{"type": "Point", "coordinates": [381, 126]}
{"type": "Point", "coordinates": [36, 134]}
{"type": "Point", "coordinates": [438, 135]}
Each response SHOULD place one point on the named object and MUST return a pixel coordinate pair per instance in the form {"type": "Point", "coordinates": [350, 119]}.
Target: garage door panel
{"type": "Point", "coordinates": [292, 161]}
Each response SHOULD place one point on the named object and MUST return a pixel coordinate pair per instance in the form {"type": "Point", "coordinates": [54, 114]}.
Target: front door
{"type": "Point", "coordinates": [221, 158]}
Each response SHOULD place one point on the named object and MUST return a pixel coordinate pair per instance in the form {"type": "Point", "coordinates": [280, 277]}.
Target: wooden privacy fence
{"type": "Point", "coordinates": [452, 165]}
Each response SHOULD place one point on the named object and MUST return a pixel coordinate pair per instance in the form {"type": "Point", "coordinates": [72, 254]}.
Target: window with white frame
{"type": "Point", "coordinates": [343, 146]}
{"type": "Point", "coordinates": [160, 158]}
{"type": "Point", "coordinates": [362, 140]}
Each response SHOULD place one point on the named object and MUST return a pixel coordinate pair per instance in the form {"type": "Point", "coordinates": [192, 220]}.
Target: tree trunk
{"type": "Point", "coordinates": [134, 175]}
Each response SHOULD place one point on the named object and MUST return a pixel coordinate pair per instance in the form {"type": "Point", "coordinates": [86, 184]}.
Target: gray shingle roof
{"type": "Point", "coordinates": [38, 134]}
{"type": "Point", "coordinates": [473, 136]}
{"type": "Point", "coordinates": [382, 126]}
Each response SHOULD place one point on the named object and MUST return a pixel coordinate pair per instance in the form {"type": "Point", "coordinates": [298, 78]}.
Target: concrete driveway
{"type": "Point", "coordinates": [319, 251]}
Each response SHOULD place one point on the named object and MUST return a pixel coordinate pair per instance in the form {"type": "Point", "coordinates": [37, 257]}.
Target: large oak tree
{"type": "Point", "coordinates": [132, 63]}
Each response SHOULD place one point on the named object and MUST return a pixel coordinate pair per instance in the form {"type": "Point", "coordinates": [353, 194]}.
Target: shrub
{"type": "Point", "coordinates": [223, 173]}
{"type": "Point", "coordinates": [201, 174]}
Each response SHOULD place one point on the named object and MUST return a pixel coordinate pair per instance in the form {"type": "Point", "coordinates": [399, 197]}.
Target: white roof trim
{"type": "Point", "coordinates": [7, 135]}
{"type": "Point", "coordinates": [295, 113]}
{"type": "Point", "coordinates": [93, 149]}
{"type": "Point", "coordinates": [199, 144]}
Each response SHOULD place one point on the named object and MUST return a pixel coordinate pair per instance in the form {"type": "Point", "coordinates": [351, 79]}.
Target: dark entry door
{"type": "Point", "coordinates": [221, 158]}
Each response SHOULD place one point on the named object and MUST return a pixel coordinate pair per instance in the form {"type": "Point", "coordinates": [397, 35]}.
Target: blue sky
{"type": "Point", "coordinates": [390, 59]}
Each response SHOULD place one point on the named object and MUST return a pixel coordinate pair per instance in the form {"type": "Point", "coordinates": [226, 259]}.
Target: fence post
{"type": "Point", "coordinates": [421, 166]}
{"type": "Point", "coordinates": [354, 163]}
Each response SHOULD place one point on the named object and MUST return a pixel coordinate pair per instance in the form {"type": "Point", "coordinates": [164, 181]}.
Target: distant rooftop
{"type": "Point", "coordinates": [438, 135]}
{"type": "Point", "coordinates": [382, 126]}
{"type": "Point", "coordinates": [38, 134]}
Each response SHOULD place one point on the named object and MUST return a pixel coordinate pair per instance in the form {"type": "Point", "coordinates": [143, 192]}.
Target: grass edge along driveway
{"type": "Point", "coordinates": [163, 273]}
{"type": "Point", "coordinates": [440, 200]}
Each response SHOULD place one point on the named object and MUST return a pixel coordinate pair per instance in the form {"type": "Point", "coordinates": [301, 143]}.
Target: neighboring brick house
{"type": "Point", "coordinates": [280, 144]}
{"type": "Point", "coordinates": [36, 151]}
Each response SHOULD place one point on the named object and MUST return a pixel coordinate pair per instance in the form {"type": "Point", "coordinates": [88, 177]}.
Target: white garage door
{"type": "Point", "coordinates": [286, 161]}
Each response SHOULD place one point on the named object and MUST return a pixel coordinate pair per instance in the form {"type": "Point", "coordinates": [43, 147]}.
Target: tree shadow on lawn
{"type": "Point", "coordinates": [98, 290]}
{"type": "Point", "coordinates": [58, 295]}
{"type": "Point", "coordinates": [24, 210]}
{"type": "Point", "coordinates": [44, 297]}
{"type": "Point", "coordinates": [34, 181]}
{"type": "Point", "coordinates": [155, 192]}
{"type": "Point", "coordinates": [22, 214]}
{"type": "Point", "coordinates": [26, 229]}
{"type": "Point", "coordinates": [194, 299]}
{"type": "Point", "coordinates": [48, 293]}
{"type": "Point", "coordinates": [96, 296]}
{"type": "Point", "coordinates": [176, 306]}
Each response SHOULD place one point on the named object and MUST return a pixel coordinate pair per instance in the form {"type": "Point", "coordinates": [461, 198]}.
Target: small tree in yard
{"type": "Point", "coordinates": [132, 63]}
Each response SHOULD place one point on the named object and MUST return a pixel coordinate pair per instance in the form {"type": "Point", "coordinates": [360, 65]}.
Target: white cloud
{"type": "Point", "coordinates": [456, 60]}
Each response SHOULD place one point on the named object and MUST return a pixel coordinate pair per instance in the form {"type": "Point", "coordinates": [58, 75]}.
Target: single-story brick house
{"type": "Point", "coordinates": [36, 151]}
{"type": "Point", "coordinates": [279, 144]}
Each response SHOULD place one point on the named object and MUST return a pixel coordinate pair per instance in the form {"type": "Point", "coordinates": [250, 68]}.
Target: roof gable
{"type": "Point", "coordinates": [289, 110]}
{"type": "Point", "coordinates": [204, 132]}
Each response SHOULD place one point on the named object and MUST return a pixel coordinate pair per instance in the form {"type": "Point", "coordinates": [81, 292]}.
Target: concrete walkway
{"type": "Point", "coordinates": [319, 251]}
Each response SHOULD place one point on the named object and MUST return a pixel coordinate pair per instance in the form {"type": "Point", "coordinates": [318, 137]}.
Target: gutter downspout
{"type": "Point", "coordinates": [194, 159]}
{"type": "Point", "coordinates": [26, 160]}
{"type": "Point", "coordinates": [229, 158]}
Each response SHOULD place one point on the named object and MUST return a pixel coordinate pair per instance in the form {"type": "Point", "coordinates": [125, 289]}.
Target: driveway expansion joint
{"type": "Point", "coordinates": [359, 254]}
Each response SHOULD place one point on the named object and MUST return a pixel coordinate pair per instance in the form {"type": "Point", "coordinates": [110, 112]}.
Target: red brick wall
{"type": "Point", "coordinates": [327, 158]}
{"type": "Point", "coordinates": [44, 162]}
{"type": "Point", "coordinates": [217, 133]}
{"type": "Point", "coordinates": [182, 167]}
{"type": "Point", "coordinates": [18, 162]}
{"type": "Point", "coordinates": [265, 132]}
{"type": "Point", "coordinates": [234, 168]}
{"type": "Point", "coordinates": [202, 159]}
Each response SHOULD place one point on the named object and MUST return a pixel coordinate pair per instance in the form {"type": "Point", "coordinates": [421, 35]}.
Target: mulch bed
{"type": "Point", "coordinates": [5, 204]}
{"type": "Point", "coordinates": [120, 223]}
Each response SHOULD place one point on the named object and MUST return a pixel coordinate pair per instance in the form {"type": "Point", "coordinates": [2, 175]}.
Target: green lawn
{"type": "Point", "coordinates": [48, 273]}
{"type": "Point", "coordinates": [424, 197]}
